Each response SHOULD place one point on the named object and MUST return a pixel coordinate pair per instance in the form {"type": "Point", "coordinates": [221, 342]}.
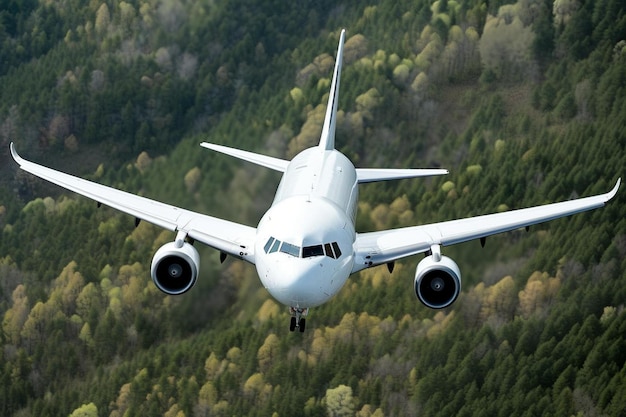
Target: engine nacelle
{"type": "Point", "coordinates": [437, 284]}
{"type": "Point", "coordinates": [175, 269]}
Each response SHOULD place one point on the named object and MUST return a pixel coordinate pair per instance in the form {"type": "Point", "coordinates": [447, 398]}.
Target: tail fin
{"type": "Point", "coordinates": [327, 139]}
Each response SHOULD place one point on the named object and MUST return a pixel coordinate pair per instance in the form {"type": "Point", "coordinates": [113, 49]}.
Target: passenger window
{"type": "Point", "coordinates": [275, 246]}
{"type": "Point", "coordinates": [310, 251]}
{"type": "Point", "coordinates": [337, 251]}
{"type": "Point", "coordinates": [268, 245]}
{"type": "Point", "coordinates": [290, 249]}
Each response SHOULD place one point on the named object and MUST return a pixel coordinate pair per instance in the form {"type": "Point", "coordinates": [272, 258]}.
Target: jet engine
{"type": "Point", "coordinates": [175, 267]}
{"type": "Point", "coordinates": [437, 281]}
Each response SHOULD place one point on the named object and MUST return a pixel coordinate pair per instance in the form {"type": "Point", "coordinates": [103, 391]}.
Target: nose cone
{"type": "Point", "coordinates": [298, 282]}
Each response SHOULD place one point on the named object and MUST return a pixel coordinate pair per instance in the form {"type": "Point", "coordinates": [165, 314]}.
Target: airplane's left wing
{"type": "Point", "coordinates": [375, 248]}
{"type": "Point", "coordinates": [228, 237]}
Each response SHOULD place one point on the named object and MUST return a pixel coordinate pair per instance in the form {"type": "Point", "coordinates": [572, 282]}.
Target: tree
{"type": "Point", "coordinates": [103, 19]}
{"type": "Point", "coordinates": [123, 401]}
{"type": "Point", "coordinates": [355, 48]}
{"type": "Point", "coordinates": [16, 316]}
{"type": "Point", "coordinates": [339, 401]}
{"type": "Point", "coordinates": [33, 332]}
{"type": "Point", "coordinates": [88, 299]}
{"type": "Point", "coordinates": [253, 385]}
{"type": "Point", "coordinates": [539, 293]}
{"type": "Point", "coordinates": [563, 11]}
{"type": "Point", "coordinates": [401, 74]}
{"type": "Point", "coordinates": [505, 48]}
{"type": "Point", "coordinates": [499, 303]}
{"type": "Point", "coordinates": [310, 131]}
{"type": "Point", "coordinates": [268, 352]}
{"type": "Point", "coordinates": [192, 179]}
{"type": "Point", "coordinates": [85, 410]}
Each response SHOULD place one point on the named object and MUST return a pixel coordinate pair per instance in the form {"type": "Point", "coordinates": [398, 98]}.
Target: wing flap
{"type": "Point", "coordinates": [232, 238]}
{"type": "Point", "coordinates": [375, 248]}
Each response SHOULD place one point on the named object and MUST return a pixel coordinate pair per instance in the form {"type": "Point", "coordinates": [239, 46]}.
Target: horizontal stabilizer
{"type": "Point", "coordinates": [276, 164]}
{"type": "Point", "coordinates": [377, 174]}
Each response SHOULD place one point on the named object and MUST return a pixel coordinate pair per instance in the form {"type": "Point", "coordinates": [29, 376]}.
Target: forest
{"type": "Point", "coordinates": [524, 102]}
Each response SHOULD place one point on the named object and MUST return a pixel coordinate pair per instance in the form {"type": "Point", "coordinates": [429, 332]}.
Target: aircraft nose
{"type": "Point", "coordinates": [298, 282]}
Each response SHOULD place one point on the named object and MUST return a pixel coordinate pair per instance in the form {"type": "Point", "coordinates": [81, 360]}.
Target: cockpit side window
{"type": "Point", "coordinates": [275, 246]}
{"type": "Point", "coordinates": [268, 245]}
{"type": "Point", "coordinates": [310, 251]}
{"type": "Point", "coordinates": [332, 250]}
{"type": "Point", "coordinates": [337, 251]}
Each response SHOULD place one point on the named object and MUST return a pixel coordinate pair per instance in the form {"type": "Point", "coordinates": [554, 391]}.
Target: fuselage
{"type": "Point", "coordinates": [304, 247]}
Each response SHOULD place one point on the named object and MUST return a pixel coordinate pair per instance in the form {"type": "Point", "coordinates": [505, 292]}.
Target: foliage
{"type": "Point", "coordinates": [522, 101]}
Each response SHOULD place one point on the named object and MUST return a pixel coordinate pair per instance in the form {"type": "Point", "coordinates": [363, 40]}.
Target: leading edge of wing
{"type": "Point", "coordinates": [375, 248]}
{"type": "Point", "coordinates": [220, 234]}
{"type": "Point", "coordinates": [276, 164]}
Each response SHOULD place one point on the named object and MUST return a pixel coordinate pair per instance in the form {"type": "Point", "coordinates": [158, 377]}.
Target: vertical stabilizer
{"type": "Point", "coordinates": [327, 140]}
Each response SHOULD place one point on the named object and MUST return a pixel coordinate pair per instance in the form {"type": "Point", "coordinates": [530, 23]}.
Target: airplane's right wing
{"type": "Point", "coordinates": [375, 248]}
{"type": "Point", "coordinates": [228, 237]}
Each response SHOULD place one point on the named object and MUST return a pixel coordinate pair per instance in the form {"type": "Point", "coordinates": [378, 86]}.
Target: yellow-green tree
{"type": "Point", "coordinates": [340, 401]}
{"type": "Point", "coordinates": [85, 410]}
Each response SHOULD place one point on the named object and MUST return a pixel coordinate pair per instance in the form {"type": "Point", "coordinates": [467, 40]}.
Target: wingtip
{"type": "Point", "coordinates": [15, 155]}
{"type": "Point", "coordinates": [612, 193]}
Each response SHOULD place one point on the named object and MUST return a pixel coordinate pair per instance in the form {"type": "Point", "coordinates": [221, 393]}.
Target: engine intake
{"type": "Point", "coordinates": [437, 283]}
{"type": "Point", "coordinates": [175, 269]}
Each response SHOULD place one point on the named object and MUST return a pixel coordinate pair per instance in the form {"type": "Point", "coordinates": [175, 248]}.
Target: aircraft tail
{"type": "Point", "coordinates": [327, 139]}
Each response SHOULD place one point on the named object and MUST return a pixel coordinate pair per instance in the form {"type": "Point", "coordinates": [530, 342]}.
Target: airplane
{"type": "Point", "coordinates": [305, 246]}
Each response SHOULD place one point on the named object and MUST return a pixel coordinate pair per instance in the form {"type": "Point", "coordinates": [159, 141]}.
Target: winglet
{"type": "Point", "coordinates": [327, 140]}
{"type": "Point", "coordinates": [612, 193]}
{"type": "Point", "coordinates": [15, 155]}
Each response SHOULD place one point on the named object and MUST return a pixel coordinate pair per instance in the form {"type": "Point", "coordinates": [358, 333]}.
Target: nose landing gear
{"type": "Point", "coordinates": [298, 320]}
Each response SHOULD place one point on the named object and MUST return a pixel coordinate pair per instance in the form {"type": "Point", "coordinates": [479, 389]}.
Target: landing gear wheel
{"type": "Point", "coordinates": [297, 318]}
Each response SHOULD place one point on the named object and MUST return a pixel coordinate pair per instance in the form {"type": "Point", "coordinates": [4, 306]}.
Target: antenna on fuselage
{"type": "Point", "coordinates": [327, 139]}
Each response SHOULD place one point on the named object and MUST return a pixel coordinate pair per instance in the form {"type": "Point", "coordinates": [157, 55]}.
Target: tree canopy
{"type": "Point", "coordinates": [523, 101]}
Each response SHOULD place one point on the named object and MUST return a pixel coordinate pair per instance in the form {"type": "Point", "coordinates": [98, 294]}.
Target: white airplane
{"type": "Point", "coordinates": [305, 246]}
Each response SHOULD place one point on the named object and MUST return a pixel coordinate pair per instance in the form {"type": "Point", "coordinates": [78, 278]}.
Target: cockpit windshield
{"type": "Point", "coordinates": [310, 251]}
{"type": "Point", "coordinates": [329, 249]}
{"type": "Point", "coordinates": [290, 249]}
